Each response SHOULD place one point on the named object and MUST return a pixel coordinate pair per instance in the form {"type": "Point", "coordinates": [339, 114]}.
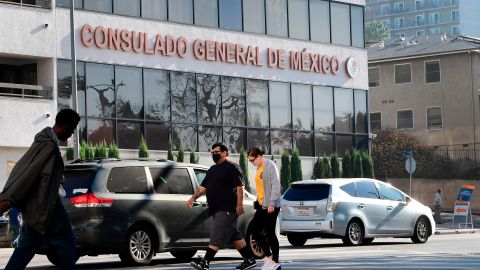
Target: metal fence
{"type": "Point", "coordinates": [463, 159]}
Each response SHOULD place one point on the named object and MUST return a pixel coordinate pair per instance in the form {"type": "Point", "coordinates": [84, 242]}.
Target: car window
{"type": "Point", "coordinates": [307, 192]}
{"type": "Point", "coordinates": [200, 174]}
{"type": "Point", "coordinates": [349, 188]}
{"type": "Point", "coordinates": [78, 182]}
{"type": "Point", "coordinates": [127, 180]}
{"type": "Point", "coordinates": [367, 189]}
{"type": "Point", "coordinates": [389, 193]}
{"type": "Point", "coordinates": [176, 182]}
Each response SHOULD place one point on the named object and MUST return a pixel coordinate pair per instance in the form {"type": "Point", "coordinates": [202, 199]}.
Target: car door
{"type": "Point", "coordinates": [374, 211]}
{"type": "Point", "coordinates": [202, 203]}
{"type": "Point", "coordinates": [400, 219]}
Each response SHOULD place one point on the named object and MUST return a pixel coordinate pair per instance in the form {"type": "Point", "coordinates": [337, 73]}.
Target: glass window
{"type": "Point", "coordinates": [302, 106]}
{"type": "Point", "coordinates": [320, 21]}
{"type": "Point", "coordinates": [154, 9]}
{"type": "Point", "coordinates": [129, 134]}
{"type": "Point", "coordinates": [399, 23]}
{"type": "Point", "coordinates": [254, 16]}
{"type": "Point", "coordinates": [280, 111]}
{"type": "Point", "coordinates": [404, 119]}
{"type": "Point", "coordinates": [98, 5]}
{"type": "Point", "coordinates": [376, 121]}
{"type": "Point", "coordinates": [343, 110]}
{"type": "Point", "coordinates": [367, 190]}
{"type": "Point", "coordinates": [99, 130]}
{"type": "Point", "coordinates": [341, 27]}
{"type": "Point", "coordinates": [235, 138]}
{"type": "Point", "coordinates": [434, 18]}
{"type": "Point", "coordinates": [206, 13]}
{"type": "Point", "coordinates": [180, 11]}
{"type": "Point", "coordinates": [78, 182]}
{"type": "Point", "coordinates": [281, 141]}
{"type": "Point", "coordinates": [403, 74]}
{"type": "Point", "coordinates": [374, 77]}
{"type": "Point", "coordinates": [233, 101]}
{"type": "Point", "coordinates": [82, 130]}
{"type": "Point", "coordinates": [66, 3]}
{"type": "Point", "coordinates": [323, 108]}
{"type": "Point", "coordinates": [323, 144]}
{"type": "Point", "coordinates": [298, 19]}
{"type": "Point", "coordinates": [398, 7]}
{"type": "Point", "coordinates": [432, 71]}
{"type": "Point", "coordinates": [200, 175]}
{"type": "Point", "coordinates": [207, 136]}
{"type": "Point", "coordinates": [434, 3]}
{"type": "Point", "coordinates": [349, 189]}
{"type": "Point", "coordinates": [307, 192]}
{"type": "Point", "coordinates": [303, 142]}
{"type": "Point", "coordinates": [128, 81]}
{"type": "Point", "coordinates": [128, 180]}
{"type": "Point", "coordinates": [157, 94]}
{"type": "Point", "coordinates": [277, 18]}
{"type": "Point", "coordinates": [259, 138]}
{"type": "Point", "coordinates": [455, 15]}
{"type": "Point", "coordinates": [420, 19]}
{"type": "Point", "coordinates": [127, 7]}
{"type": "Point", "coordinates": [357, 27]}
{"type": "Point", "coordinates": [389, 193]}
{"type": "Point", "coordinates": [361, 143]}
{"type": "Point", "coordinates": [209, 99]}
{"type": "Point", "coordinates": [231, 14]}
{"type": "Point", "coordinates": [384, 10]}
{"type": "Point", "coordinates": [100, 90]}
{"type": "Point", "coordinates": [419, 4]}
{"type": "Point", "coordinates": [64, 85]}
{"type": "Point", "coordinates": [184, 97]}
{"type": "Point", "coordinates": [257, 103]}
{"type": "Point", "coordinates": [361, 125]}
{"type": "Point", "coordinates": [343, 143]}
{"type": "Point", "coordinates": [177, 181]}
{"type": "Point", "coordinates": [185, 135]}
{"type": "Point", "coordinates": [157, 135]}
{"type": "Point", "coordinates": [434, 118]}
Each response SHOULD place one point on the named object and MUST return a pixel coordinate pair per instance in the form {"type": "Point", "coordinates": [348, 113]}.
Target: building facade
{"type": "Point", "coordinates": [406, 18]}
{"type": "Point", "coordinates": [276, 74]}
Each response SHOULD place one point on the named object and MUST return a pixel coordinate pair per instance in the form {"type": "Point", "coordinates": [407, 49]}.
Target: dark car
{"type": "Point", "coordinates": [136, 208]}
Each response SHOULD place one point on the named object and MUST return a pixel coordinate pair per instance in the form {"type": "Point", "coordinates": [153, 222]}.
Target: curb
{"type": "Point", "coordinates": [457, 231]}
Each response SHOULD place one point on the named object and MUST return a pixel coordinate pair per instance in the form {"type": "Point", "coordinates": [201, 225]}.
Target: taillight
{"type": "Point", "coordinates": [331, 205]}
{"type": "Point", "coordinates": [90, 200]}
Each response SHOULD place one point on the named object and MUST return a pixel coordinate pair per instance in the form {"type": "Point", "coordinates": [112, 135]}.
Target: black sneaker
{"type": "Point", "coordinates": [200, 263]}
{"type": "Point", "coordinates": [247, 264]}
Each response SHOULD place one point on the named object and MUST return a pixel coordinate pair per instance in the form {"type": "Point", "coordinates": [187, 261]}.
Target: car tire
{"type": "Point", "coordinates": [53, 259]}
{"type": "Point", "coordinates": [421, 231]}
{"type": "Point", "coordinates": [253, 244]}
{"type": "Point", "coordinates": [183, 254]}
{"type": "Point", "coordinates": [139, 247]}
{"type": "Point", "coordinates": [296, 240]}
{"type": "Point", "coordinates": [367, 241]}
{"type": "Point", "coordinates": [354, 235]}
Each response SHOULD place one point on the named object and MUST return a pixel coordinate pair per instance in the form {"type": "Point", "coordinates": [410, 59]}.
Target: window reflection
{"type": "Point", "coordinates": [298, 19]}
{"type": "Point", "coordinates": [281, 141]}
{"type": "Point", "coordinates": [254, 16]}
{"type": "Point", "coordinates": [157, 94]}
{"type": "Point", "coordinates": [362, 143]}
{"type": "Point", "coordinates": [129, 134]}
{"type": "Point", "coordinates": [280, 113]}
{"type": "Point", "coordinates": [231, 14]}
{"type": "Point", "coordinates": [258, 138]}
{"type": "Point", "coordinates": [157, 135]}
{"type": "Point", "coordinates": [128, 81]}
{"type": "Point", "coordinates": [277, 18]}
{"type": "Point", "coordinates": [234, 138]}
{"type": "Point", "coordinates": [100, 90]}
{"type": "Point", "coordinates": [323, 108]}
{"type": "Point", "coordinates": [319, 21]}
{"type": "Point", "coordinates": [180, 11]}
{"type": "Point", "coordinates": [206, 13]}
{"type": "Point", "coordinates": [302, 106]}
{"type": "Point", "coordinates": [184, 97]}
{"type": "Point", "coordinates": [154, 9]}
{"type": "Point", "coordinates": [209, 99]}
{"type": "Point", "coordinates": [64, 86]}
{"type": "Point", "coordinates": [357, 26]}
{"type": "Point", "coordinates": [127, 7]}
{"type": "Point", "coordinates": [303, 142]}
{"type": "Point", "coordinates": [99, 130]}
{"type": "Point", "coordinates": [185, 135]}
{"type": "Point", "coordinates": [257, 103]}
{"type": "Point", "coordinates": [98, 5]}
{"type": "Point", "coordinates": [343, 143]}
{"type": "Point", "coordinates": [323, 144]}
{"type": "Point", "coordinates": [207, 136]}
{"type": "Point", "coordinates": [343, 110]}
{"type": "Point", "coordinates": [361, 125]}
{"type": "Point", "coordinates": [341, 28]}
{"type": "Point", "coordinates": [233, 103]}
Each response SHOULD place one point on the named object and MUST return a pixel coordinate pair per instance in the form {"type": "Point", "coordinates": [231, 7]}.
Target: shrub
{"type": "Point", "coordinates": [244, 167]}
{"type": "Point", "coordinates": [193, 158]}
{"type": "Point", "coordinates": [357, 164]}
{"type": "Point", "coordinates": [70, 154]}
{"type": "Point", "coordinates": [113, 151]}
{"type": "Point", "coordinates": [170, 151]}
{"type": "Point", "coordinates": [82, 149]}
{"type": "Point", "coordinates": [101, 150]}
{"type": "Point", "coordinates": [285, 172]}
{"type": "Point", "coordinates": [335, 163]}
{"type": "Point", "coordinates": [346, 165]}
{"type": "Point", "coordinates": [89, 152]}
{"type": "Point", "coordinates": [326, 169]}
{"type": "Point", "coordinates": [143, 149]}
{"type": "Point", "coordinates": [367, 165]}
{"type": "Point", "coordinates": [181, 153]}
{"type": "Point", "coordinates": [296, 164]}
{"type": "Point", "coordinates": [317, 169]}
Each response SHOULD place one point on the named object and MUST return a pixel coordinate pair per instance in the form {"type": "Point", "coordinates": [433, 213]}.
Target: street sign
{"type": "Point", "coordinates": [410, 165]}
{"type": "Point", "coordinates": [406, 154]}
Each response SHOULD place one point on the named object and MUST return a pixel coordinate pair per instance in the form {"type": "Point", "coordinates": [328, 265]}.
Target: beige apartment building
{"type": "Point", "coordinates": [429, 86]}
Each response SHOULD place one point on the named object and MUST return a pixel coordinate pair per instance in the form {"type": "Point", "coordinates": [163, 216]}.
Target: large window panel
{"type": "Point", "coordinates": [66, 3]}
{"type": "Point", "coordinates": [340, 15]}
{"type": "Point", "coordinates": [303, 142]}
{"type": "Point", "coordinates": [405, 119]}
{"type": "Point", "coordinates": [343, 110]}
{"type": "Point", "coordinates": [257, 103]}
{"type": "Point", "coordinates": [209, 99]}
{"type": "Point", "coordinates": [127, 7]}
{"type": "Point", "coordinates": [185, 135]}
{"type": "Point", "coordinates": [154, 9]}
{"type": "Point", "coordinates": [99, 130]}
{"type": "Point", "coordinates": [434, 118]}
{"type": "Point", "coordinates": [357, 27]}
{"type": "Point", "coordinates": [281, 141]}
{"type": "Point", "coordinates": [184, 97]}
{"type": "Point", "coordinates": [277, 18]}
{"type": "Point", "coordinates": [128, 81]}
{"type": "Point", "coordinates": [100, 90]}
{"type": "Point", "coordinates": [403, 74]}
{"type": "Point", "coordinates": [180, 11]}
{"type": "Point", "coordinates": [98, 5]}
{"type": "Point", "coordinates": [129, 134]}
{"type": "Point", "coordinates": [157, 94]}
{"type": "Point", "coordinates": [233, 101]}
{"type": "Point", "coordinates": [206, 13]}
{"type": "Point", "coordinates": [320, 21]}
{"type": "Point", "coordinates": [361, 124]}
{"type": "Point", "coordinates": [231, 14]}
{"type": "Point", "coordinates": [323, 108]}
{"type": "Point", "coordinates": [298, 19]}
{"type": "Point", "coordinates": [302, 106]}
{"type": "Point", "coordinates": [343, 143]}
{"type": "Point", "coordinates": [64, 86]}
{"type": "Point", "coordinates": [254, 16]}
{"type": "Point", "coordinates": [235, 138]}
{"type": "Point", "coordinates": [323, 144]}
{"type": "Point", "coordinates": [432, 71]}
{"type": "Point", "coordinates": [361, 143]}
{"type": "Point", "coordinates": [157, 135]}
{"type": "Point", "coordinates": [280, 110]}
{"type": "Point", "coordinates": [207, 136]}
{"type": "Point", "coordinates": [375, 120]}
{"type": "Point", "coordinates": [258, 138]}
{"type": "Point", "coordinates": [374, 77]}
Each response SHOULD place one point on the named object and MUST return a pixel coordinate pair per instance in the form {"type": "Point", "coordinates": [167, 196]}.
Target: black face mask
{"type": "Point", "coordinates": [216, 157]}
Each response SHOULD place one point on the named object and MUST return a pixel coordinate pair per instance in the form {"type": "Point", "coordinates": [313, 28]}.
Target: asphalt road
{"type": "Point", "coordinates": [457, 251]}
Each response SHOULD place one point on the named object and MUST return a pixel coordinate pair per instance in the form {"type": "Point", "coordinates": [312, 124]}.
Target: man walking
{"type": "Point", "coordinates": [33, 189]}
{"type": "Point", "coordinates": [224, 189]}
{"type": "Point", "coordinates": [438, 205]}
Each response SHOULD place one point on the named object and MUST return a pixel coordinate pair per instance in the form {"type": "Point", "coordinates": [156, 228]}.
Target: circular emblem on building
{"type": "Point", "coordinates": [353, 67]}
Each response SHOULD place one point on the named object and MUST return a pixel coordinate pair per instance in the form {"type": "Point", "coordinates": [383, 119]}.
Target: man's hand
{"type": "Point", "coordinates": [190, 202]}
{"type": "Point", "coordinates": [270, 209]}
{"type": "Point", "coordinates": [4, 206]}
{"type": "Point", "coordinates": [240, 210]}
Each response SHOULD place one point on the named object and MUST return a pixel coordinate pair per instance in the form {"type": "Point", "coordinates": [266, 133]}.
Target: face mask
{"type": "Point", "coordinates": [216, 158]}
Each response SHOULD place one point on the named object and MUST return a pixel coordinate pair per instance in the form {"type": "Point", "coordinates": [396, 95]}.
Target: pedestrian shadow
{"type": "Point", "coordinates": [341, 245]}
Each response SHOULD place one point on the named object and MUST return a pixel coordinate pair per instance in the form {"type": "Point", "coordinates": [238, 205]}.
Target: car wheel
{"type": "Point", "coordinates": [354, 234]}
{"type": "Point", "coordinates": [183, 254]}
{"type": "Point", "coordinates": [422, 231]}
{"type": "Point", "coordinates": [53, 259]}
{"type": "Point", "coordinates": [139, 247]}
{"type": "Point", "coordinates": [367, 241]}
{"type": "Point", "coordinates": [253, 245]}
{"type": "Point", "coordinates": [296, 240]}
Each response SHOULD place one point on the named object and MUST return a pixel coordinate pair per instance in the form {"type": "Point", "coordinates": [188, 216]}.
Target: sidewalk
{"type": "Point", "coordinates": [447, 227]}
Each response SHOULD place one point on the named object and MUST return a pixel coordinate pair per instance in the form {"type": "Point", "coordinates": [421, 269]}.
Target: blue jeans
{"type": "Point", "coordinates": [59, 239]}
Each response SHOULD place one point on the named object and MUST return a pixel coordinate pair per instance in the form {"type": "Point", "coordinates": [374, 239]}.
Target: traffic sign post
{"type": "Point", "coordinates": [410, 166]}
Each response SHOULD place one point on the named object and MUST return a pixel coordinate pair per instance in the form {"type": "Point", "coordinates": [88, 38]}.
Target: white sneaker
{"type": "Point", "coordinates": [275, 266]}
{"type": "Point", "coordinates": [267, 263]}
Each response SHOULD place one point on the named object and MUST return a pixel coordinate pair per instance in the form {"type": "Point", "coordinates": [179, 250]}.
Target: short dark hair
{"type": "Point", "coordinates": [222, 146]}
{"type": "Point", "coordinates": [255, 152]}
{"type": "Point", "coordinates": [67, 117]}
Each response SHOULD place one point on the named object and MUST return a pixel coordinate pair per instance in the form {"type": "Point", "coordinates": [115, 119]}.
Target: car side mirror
{"type": "Point", "coordinates": [407, 200]}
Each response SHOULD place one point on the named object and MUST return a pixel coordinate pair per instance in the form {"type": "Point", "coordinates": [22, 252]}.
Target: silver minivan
{"type": "Point", "coordinates": [357, 210]}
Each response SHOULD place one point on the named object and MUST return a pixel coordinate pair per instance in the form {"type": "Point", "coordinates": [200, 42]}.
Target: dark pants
{"type": "Point", "coordinates": [265, 222]}
{"type": "Point", "coordinates": [59, 239]}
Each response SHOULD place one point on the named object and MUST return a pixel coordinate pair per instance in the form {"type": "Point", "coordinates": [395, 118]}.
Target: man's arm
{"type": "Point", "coordinates": [239, 200]}
{"type": "Point", "coordinates": [200, 191]}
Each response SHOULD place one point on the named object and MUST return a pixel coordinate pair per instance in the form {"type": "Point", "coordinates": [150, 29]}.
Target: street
{"type": "Point", "coordinates": [452, 251]}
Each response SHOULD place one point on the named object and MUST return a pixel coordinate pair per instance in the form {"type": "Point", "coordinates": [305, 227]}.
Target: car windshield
{"type": "Point", "coordinates": [78, 182]}
{"type": "Point", "coordinates": [307, 192]}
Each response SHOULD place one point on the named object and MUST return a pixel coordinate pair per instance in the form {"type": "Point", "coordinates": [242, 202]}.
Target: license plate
{"type": "Point", "coordinates": [303, 211]}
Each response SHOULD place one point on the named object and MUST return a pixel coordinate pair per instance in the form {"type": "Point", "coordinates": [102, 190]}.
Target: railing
{"type": "Point", "coordinates": [29, 3]}
{"type": "Point", "coordinates": [25, 90]}
{"type": "Point", "coordinates": [409, 9]}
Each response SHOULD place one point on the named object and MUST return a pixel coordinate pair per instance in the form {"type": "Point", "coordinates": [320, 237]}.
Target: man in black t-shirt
{"type": "Point", "coordinates": [224, 189]}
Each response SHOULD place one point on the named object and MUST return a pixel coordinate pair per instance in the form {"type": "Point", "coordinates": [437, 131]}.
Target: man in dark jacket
{"type": "Point", "coordinates": [33, 189]}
